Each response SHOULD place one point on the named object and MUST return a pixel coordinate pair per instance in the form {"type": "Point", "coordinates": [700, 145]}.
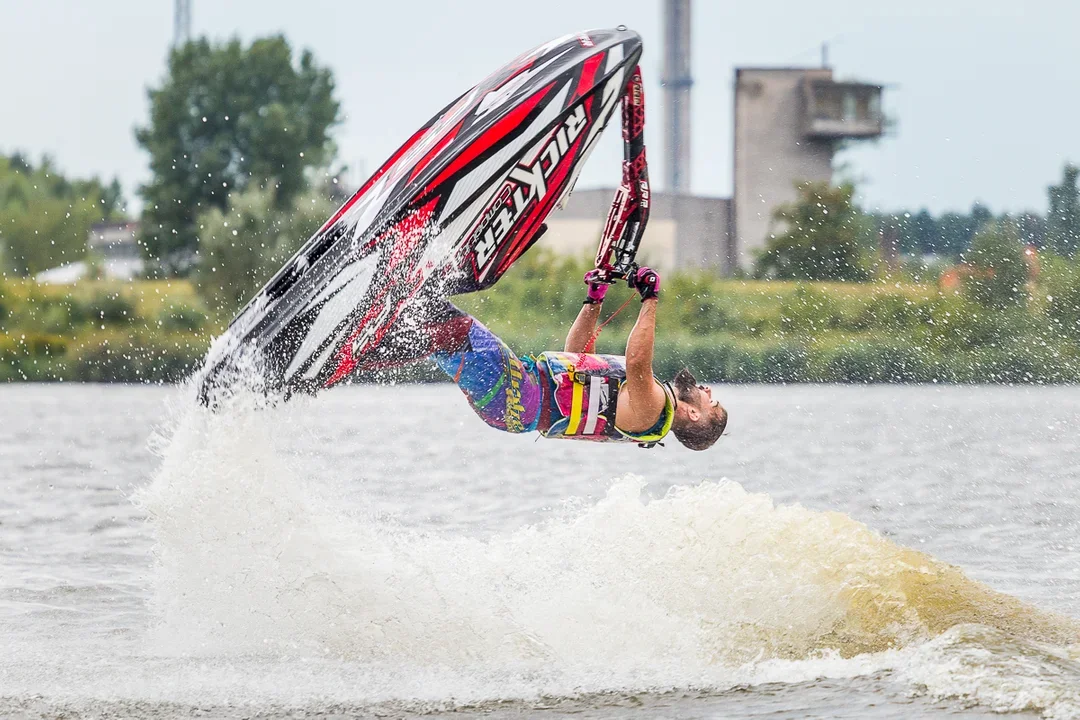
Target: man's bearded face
{"type": "Point", "coordinates": [686, 386]}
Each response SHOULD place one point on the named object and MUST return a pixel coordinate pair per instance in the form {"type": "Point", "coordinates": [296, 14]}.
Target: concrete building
{"type": "Point", "coordinates": [114, 240]}
{"type": "Point", "coordinates": [684, 231]}
{"type": "Point", "coordinates": [115, 253]}
{"type": "Point", "coordinates": [788, 122]}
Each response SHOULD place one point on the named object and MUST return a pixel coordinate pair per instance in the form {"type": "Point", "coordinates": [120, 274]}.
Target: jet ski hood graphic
{"type": "Point", "coordinates": [447, 214]}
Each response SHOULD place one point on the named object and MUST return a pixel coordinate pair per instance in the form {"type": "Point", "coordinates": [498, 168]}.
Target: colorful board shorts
{"type": "Point", "coordinates": [505, 391]}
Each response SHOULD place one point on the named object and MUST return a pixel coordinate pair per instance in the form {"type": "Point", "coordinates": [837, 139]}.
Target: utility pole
{"type": "Point", "coordinates": [181, 22]}
{"type": "Point", "coordinates": [676, 81]}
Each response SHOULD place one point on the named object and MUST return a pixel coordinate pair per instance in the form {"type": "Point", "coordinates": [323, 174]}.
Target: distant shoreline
{"type": "Point", "coordinates": [724, 330]}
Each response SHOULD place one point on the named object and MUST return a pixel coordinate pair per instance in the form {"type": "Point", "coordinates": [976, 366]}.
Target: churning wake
{"type": "Point", "coordinates": [706, 587]}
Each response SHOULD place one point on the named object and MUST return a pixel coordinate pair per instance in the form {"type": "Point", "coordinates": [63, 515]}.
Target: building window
{"type": "Point", "coordinates": [850, 110]}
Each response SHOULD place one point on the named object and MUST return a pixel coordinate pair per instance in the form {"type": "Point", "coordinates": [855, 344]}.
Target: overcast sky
{"type": "Point", "coordinates": [984, 93]}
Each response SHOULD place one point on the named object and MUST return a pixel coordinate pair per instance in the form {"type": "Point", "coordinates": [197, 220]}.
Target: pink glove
{"type": "Point", "coordinates": [646, 281]}
{"type": "Point", "coordinates": [597, 290]}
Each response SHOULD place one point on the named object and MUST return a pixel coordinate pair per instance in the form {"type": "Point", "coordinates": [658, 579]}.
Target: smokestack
{"type": "Point", "coordinates": [181, 22]}
{"type": "Point", "coordinates": [676, 81]}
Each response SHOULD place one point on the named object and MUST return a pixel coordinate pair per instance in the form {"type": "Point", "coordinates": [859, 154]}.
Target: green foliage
{"type": "Point", "coordinates": [1061, 292]}
{"type": "Point", "coordinates": [241, 249]}
{"type": "Point", "coordinates": [228, 118]}
{"type": "Point", "coordinates": [890, 310]}
{"type": "Point", "coordinates": [700, 311]}
{"type": "Point", "coordinates": [99, 331]}
{"type": "Point", "coordinates": [45, 218]}
{"type": "Point", "coordinates": [874, 360]}
{"type": "Point", "coordinates": [763, 331]}
{"type": "Point", "coordinates": [106, 308]}
{"type": "Point", "coordinates": [998, 269]}
{"type": "Point", "coordinates": [181, 317]}
{"type": "Point", "coordinates": [1063, 218]}
{"type": "Point", "coordinates": [822, 240]}
{"type": "Point", "coordinates": [809, 310]}
{"type": "Point", "coordinates": [143, 358]}
{"type": "Point", "coordinates": [767, 362]}
{"type": "Point", "coordinates": [949, 234]}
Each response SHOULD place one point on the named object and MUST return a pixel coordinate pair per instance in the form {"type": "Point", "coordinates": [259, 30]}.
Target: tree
{"type": "Point", "coordinates": [228, 117]}
{"type": "Point", "coordinates": [1063, 217]}
{"type": "Point", "coordinates": [999, 272]}
{"type": "Point", "coordinates": [1032, 229]}
{"type": "Point", "coordinates": [822, 239]}
{"type": "Point", "coordinates": [955, 231]}
{"type": "Point", "coordinates": [45, 218]}
{"type": "Point", "coordinates": [925, 232]}
{"type": "Point", "coordinates": [240, 249]}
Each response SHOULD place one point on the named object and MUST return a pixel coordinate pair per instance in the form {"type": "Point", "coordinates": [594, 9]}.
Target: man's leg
{"type": "Point", "coordinates": [502, 389]}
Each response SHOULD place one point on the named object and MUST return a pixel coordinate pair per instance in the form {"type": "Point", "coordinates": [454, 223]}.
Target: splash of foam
{"type": "Point", "coordinates": [981, 665]}
{"type": "Point", "coordinates": [707, 586]}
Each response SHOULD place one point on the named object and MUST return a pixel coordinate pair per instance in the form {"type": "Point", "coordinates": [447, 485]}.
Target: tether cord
{"type": "Point", "coordinates": [591, 345]}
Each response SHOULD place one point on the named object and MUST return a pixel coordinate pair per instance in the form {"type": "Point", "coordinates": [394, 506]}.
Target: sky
{"type": "Point", "coordinates": [982, 93]}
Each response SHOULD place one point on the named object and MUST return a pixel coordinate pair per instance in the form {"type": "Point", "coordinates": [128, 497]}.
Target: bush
{"type": "Point", "coordinates": [868, 361]}
{"type": "Point", "coordinates": [40, 312]}
{"type": "Point", "coordinates": [32, 356]}
{"type": "Point", "coordinates": [998, 271]}
{"type": "Point", "coordinates": [56, 317]}
{"type": "Point", "coordinates": [1061, 290]}
{"type": "Point", "coordinates": [182, 317]}
{"type": "Point", "coordinates": [241, 248]}
{"type": "Point", "coordinates": [706, 315]}
{"type": "Point", "coordinates": [890, 311]}
{"type": "Point", "coordinates": [142, 359]}
{"type": "Point", "coordinates": [692, 302]}
{"type": "Point", "coordinates": [809, 310]}
{"type": "Point", "coordinates": [822, 237]}
{"type": "Point", "coordinates": [40, 344]}
{"type": "Point", "coordinates": [705, 357]}
{"type": "Point", "coordinates": [955, 323]}
{"type": "Point", "coordinates": [784, 363]}
{"type": "Point", "coordinates": [107, 309]}
{"type": "Point", "coordinates": [1013, 365]}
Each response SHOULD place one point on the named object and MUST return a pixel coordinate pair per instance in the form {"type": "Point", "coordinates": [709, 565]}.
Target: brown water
{"type": "Point", "coordinates": [847, 552]}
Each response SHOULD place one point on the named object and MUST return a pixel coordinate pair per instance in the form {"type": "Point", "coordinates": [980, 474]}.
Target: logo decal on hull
{"type": "Point", "coordinates": [526, 185]}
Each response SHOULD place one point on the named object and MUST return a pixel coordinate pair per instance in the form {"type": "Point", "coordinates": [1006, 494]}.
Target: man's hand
{"type": "Point", "coordinates": [646, 281]}
{"type": "Point", "coordinates": [597, 290]}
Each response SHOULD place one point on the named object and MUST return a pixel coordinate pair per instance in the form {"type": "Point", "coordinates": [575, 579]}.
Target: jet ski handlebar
{"type": "Point", "coordinates": [615, 257]}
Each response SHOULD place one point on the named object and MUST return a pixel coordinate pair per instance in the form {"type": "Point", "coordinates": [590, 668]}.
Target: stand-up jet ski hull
{"type": "Point", "coordinates": [449, 213]}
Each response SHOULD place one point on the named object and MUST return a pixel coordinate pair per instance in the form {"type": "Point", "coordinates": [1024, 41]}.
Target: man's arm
{"type": "Point", "coordinates": [639, 347]}
{"type": "Point", "coordinates": [583, 328]}
{"type": "Point", "coordinates": [641, 399]}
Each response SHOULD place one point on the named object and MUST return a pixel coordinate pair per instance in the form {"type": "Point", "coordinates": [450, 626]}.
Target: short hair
{"type": "Point", "coordinates": [701, 436]}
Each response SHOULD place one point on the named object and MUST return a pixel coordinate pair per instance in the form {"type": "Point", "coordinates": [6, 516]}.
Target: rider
{"type": "Point", "coordinates": [569, 394]}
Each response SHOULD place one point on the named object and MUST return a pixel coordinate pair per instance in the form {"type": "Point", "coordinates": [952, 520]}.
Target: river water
{"type": "Point", "coordinates": [845, 552]}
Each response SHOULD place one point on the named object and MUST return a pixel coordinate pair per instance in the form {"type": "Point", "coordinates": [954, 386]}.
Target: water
{"type": "Point", "coordinates": [846, 552]}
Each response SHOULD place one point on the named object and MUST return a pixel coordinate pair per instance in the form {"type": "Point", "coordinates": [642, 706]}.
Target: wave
{"type": "Point", "coordinates": [706, 587]}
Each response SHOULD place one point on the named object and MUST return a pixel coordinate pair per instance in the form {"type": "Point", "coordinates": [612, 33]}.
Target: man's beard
{"type": "Point", "coordinates": [686, 388]}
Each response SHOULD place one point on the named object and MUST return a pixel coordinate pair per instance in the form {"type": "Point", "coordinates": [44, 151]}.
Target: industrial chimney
{"type": "Point", "coordinates": [676, 82]}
